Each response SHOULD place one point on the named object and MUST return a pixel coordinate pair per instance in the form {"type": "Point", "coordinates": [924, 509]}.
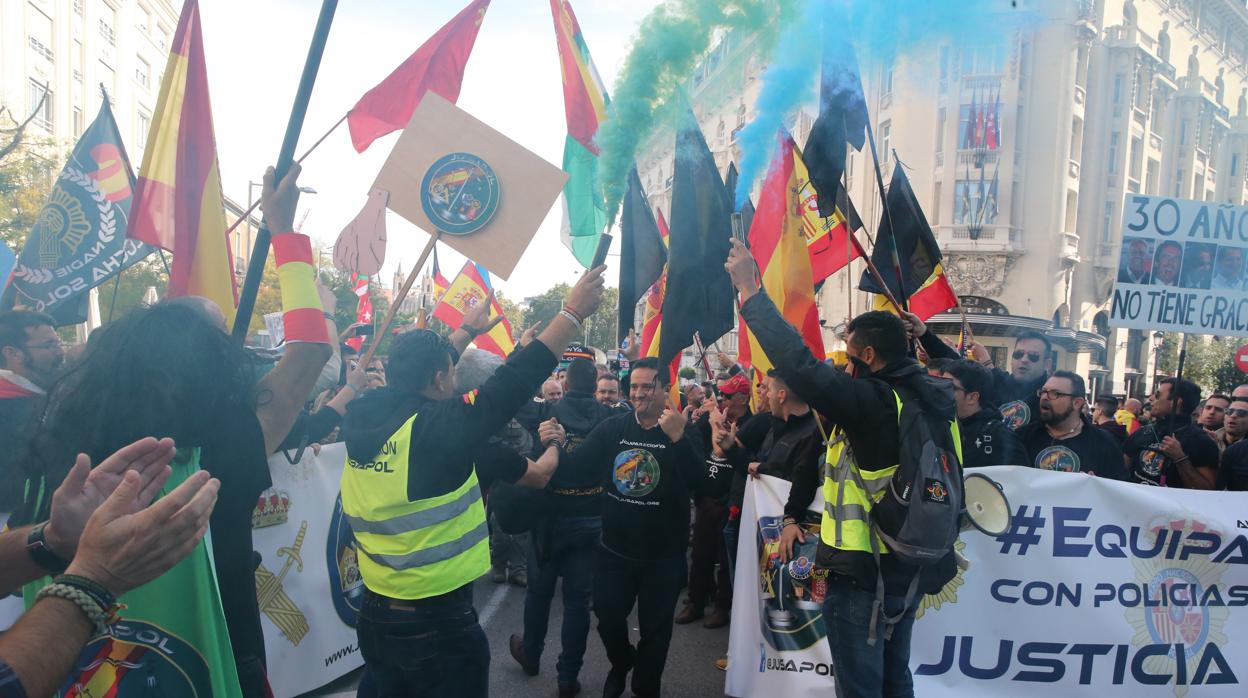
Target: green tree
{"type": "Point", "coordinates": [600, 329]}
{"type": "Point", "coordinates": [1210, 362]}
{"type": "Point", "coordinates": [26, 177]}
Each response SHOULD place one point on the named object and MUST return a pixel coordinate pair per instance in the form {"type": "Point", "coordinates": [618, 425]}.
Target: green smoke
{"type": "Point", "coordinates": [669, 43]}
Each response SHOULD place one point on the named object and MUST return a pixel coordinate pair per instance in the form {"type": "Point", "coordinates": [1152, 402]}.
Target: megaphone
{"type": "Point", "coordinates": [987, 509]}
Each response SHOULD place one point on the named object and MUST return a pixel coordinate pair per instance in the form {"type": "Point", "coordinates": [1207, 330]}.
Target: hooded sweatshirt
{"type": "Point", "coordinates": [577, 485]}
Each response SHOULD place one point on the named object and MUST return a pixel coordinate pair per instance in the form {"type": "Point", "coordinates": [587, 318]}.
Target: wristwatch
{"type": "Point", "coordinates": [43, 555]}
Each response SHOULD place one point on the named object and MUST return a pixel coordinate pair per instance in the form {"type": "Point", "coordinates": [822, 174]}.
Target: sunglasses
{"type": "Point", "coordinates": [1237, 412]}
{"type": "Point", "coordinates": [1034, 356]}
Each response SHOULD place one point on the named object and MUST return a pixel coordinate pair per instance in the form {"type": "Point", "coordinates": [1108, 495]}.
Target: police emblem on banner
{"type": "Point", "coordinates": [138, 659]}
{"type": "Point", "coordinates": [79, 239]}
{"type": "Point", "coordinates": [1178, 611]}
{"type": "Point", "coordinates": [460, 193]}
{"type": "Point", "coordinates": [792, 592]}
{"type": "Point", "coordinates": [342, 561]}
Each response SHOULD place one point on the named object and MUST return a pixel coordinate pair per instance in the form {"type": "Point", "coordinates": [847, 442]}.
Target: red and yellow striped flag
{"type": "Point", "coordinates": [472, 286]}
{"type": "Point", "coordinates": [779, 247]}
{"type": "Point", "coordinates": [177, 201]}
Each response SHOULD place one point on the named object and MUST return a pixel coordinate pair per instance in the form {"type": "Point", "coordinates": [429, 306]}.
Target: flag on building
{"type": "Point", "coordinates": [827, 237]}
{"type": "Point", "coordinates": [363, 308]}
{"type": "Point", "coordinates": [779, 246]}
{"type": "Point", "coordinates": [177, 201]}
{"type": "Point", "coordinates": [436, 66]}
{"type": "Point", "coordinates": [643, 254]}
{"type": "Point", "coordinates": [992, 130]}
{"type": "Point", "coordinates": [923, 279]}
{"type": "Point", "coordinates": [842, 119]}
{"type": "Point", "coordinates": [972, 118]}
{"type": "Point", "coordinates": [981, 119]}
{"type": "Point", "coordinates": [585, 106]}
{"type": "Point", "coordinates": [700, 297]}
{"type": "Point", "coordinates": [79, 238]}
{"type": "Point", "coordinates": [471, 287]}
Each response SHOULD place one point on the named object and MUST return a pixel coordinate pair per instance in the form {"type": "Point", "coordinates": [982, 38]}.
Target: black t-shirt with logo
{"type": "Point", "coordinates": [1150, 466]}
{"type": "Point", "coordinates": [648, 481]}
{"type": "Point", "coordinates": [1089, 451]}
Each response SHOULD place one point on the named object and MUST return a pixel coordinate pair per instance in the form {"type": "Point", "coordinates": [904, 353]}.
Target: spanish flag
{"type": "Point", "coordinates": [779, 246]}
{"type": "Point", "coordinates": [471, 287]}
{"type": "Point", "coordinates": [585, 107]}
{"type": "Point", "coordinates": [652, 317]}
{"type": "Point", "coordinates": [177, 200]}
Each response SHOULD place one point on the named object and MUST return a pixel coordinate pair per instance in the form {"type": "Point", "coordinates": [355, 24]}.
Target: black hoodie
{"type": "Point", "coordinates": [987, 441]}
{"type": "Point", "coordinates": [1149, 466]}
{"type": "Point", "coordinates": [577, 485]}
{"type": "Point", "coordinates": [866, 409]}
{"type": "Point", "coordinates": [447, 435]}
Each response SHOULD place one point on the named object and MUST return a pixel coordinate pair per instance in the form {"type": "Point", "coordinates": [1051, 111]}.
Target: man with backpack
{"type": "Point", "coordinates": [893, 424]}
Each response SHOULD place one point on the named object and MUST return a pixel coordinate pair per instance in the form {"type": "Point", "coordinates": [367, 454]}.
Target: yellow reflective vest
{"type": "Point", "coordinates": [412, 550]}
{"type": "Point", "coordinates": [849, 493]}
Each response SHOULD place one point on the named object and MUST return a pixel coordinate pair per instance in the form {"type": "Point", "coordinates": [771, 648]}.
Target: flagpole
{"type": "Point", "coordinates": [398, 299]}
{"type": "Point", "coordinates": [888, 215]}
{"type": "Point", "coordinates": [260, 250]}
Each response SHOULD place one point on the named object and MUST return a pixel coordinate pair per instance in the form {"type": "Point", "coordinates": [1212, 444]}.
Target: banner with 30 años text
{"type": "Point", "coordinates": [308, 583]}
{"type": "Point", "coordinates": [1183, 267]}
{"type": "Point", "coordinates": [1099, 588]}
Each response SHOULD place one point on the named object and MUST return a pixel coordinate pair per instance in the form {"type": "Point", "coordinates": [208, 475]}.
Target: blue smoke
{"type": "Point", "coordinates": [880, 31]}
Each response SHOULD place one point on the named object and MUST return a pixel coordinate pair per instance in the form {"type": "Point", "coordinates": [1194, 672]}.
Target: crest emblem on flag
{"type": "Point", "coordinates": [345, 583]}
{"type": "Point", "coordinates": [136, 659]}
{"type": "Point", "coordinates": [460, 193]}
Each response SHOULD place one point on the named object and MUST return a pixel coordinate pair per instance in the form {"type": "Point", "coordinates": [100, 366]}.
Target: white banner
{"type": "Point", "coordinates": [1095, 590]}
{"type": "Point", "coordinates": [308, 584]}
{"type": "Point", "coordinates": [1182, 267]}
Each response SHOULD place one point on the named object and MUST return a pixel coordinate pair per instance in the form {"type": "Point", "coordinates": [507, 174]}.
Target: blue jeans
{"type": "Point", "coordinates": [429, 647]}
{"type": "Point", "coordinates": [863, 671]}
{"type": "Point", "coordinates": [568, 550]}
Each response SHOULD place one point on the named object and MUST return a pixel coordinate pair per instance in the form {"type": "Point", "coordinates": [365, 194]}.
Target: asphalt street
{"type": "Point", "coordinates": [690, 671]}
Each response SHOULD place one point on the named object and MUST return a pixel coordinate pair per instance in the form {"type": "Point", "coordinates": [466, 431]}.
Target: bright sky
{"type": "Point", "coordinates": [255, 52]}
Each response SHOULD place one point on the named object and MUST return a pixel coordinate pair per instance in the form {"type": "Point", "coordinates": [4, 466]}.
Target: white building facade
{"type": "Point", "coordinates": [1102, 99]}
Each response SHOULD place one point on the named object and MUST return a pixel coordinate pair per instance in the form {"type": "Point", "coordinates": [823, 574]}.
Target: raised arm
{"type": "Point", "coordinates": [282, 392]}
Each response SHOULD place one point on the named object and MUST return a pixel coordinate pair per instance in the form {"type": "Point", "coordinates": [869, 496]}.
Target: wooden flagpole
{"type": "Point", "coordinates": [398, 299]}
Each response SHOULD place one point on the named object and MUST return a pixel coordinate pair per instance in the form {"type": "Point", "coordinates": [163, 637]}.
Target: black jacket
{"type": "Point", "coordinates": [1019, 404]}
{"type": "Point", "coordinates": [866, 409]}
{"type": "Point", "coordinates": [576, 489]}
{"type": "Point", "coordinates": [987, 441]}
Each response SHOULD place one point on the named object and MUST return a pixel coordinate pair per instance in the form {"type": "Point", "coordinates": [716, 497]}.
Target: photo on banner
{"type": "Point", "coordinates": [1182, 267]}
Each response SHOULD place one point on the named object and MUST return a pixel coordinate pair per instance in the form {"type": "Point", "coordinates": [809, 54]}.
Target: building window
{"type": "Point", "coordinates": [142, 73]}
{"type": "Point", "coordinates": [37, 93]}
{"type": "Point", "coordinates": [162, 37]}
{"type": "Point", "coordinates": [1183, 132]}
{"type": "Point", "coordinates": [936, 202]}
{"type": "Point", "coordinates": [940, 130]}
{"type": "Point", "coordinates": [886, 139]}
{"type": "Point", "coordinates": [39, 49]}
{"type": "Point", "coordinates": [888, 80]}
{"type": "Point", "coordinates": [1150, 177]}
{"type": "Point", "coordinates": [1235, 164]}
{"type": "Point", "coordinates": [983, 60]}
{"type": "Point", "coordinates": [974, 203]}
{"type": "Point", "coordinates": [1112, 167]}
{"type": "Point", "coordinates": [145, 127]}
{"type": "Point", "coordinates": [1154, 121]}
{"type": "Point", "coordinates": [1137, 157]}
{"type": "Point", "coordinates": [1076, 139]}
{"type": "Point", "coordinates": [78, 122]}
{"type": "Point", "coordinates": [1178, 183]}
{"type": "Point", "coordinates": [1107, 233]}
{"type": "Point", "coordinates": [1118, 81]}
{"type": "Point", "coordinates": [107, 32]}
{"type": "Point", "coordinates": [1072, 210]}
{"type": "Point", "coordinates": [144, 20]}
{"type": "Point", "coordinates": [108, 77]}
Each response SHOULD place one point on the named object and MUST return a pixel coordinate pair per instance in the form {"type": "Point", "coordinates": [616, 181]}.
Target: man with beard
{"type": "Point", "coordinates": [1064, 439]}
{"type": "Point", "coordinates": [1212, 413]}
{"type": "Point", "coordinates": [607, 389]}
{"type": "Point", "coordinates": [30, 356]}
{"type": "Point", "coordinates": [1173, 451]}
{"type": "Point", "coordinates": [1233, 470]}
{"type": "Point", "coordinates": [985, 439]}
{"type": "Point", "coordinates": [1234, 425]}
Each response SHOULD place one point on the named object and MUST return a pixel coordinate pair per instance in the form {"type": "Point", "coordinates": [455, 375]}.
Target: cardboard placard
{"type": "Point", "coordinates": [528, 184]}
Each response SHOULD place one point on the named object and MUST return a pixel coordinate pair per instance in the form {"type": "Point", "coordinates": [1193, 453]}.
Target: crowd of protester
{"type": "Point", "coordinates": [605, 483]}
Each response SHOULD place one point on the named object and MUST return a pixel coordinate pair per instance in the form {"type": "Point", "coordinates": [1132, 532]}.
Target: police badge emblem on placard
{"type": "Point", "coordinates": [460, 193]}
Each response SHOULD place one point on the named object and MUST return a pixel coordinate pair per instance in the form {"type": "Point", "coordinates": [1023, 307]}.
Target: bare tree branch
{"type": "Point", "coordinates": [17, 133]}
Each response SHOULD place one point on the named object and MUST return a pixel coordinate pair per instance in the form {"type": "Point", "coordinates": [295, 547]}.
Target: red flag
{"type": "Point", "coordinates": [993, 128]}
{"type": "Point", "coordinates": [438, 65]}
{"type": "Point", "coordinates": [363, 308]}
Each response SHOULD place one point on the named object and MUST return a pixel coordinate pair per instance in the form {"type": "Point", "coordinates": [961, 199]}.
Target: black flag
{"type": "Point", "coordinates": [699, 294]}
{"type": "Point", "coordinates": [917, 250]}
{"type": "Point", "coordinates": [842, 118]}
{"type": "Point", "coordinates": [642, 252]}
